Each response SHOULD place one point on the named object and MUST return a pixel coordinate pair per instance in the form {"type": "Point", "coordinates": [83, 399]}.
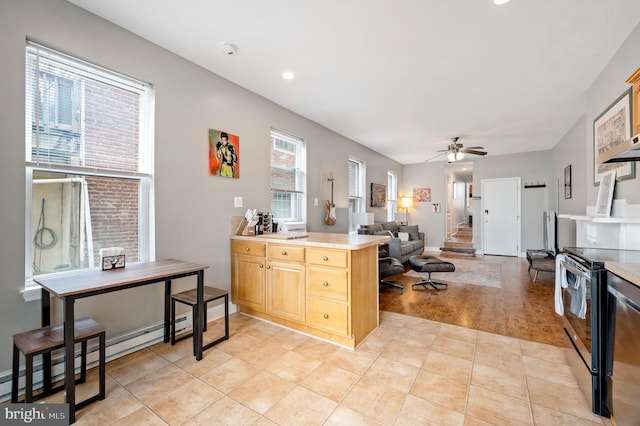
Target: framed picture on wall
{"type": "Point", "coordinates": [378, 195]}
{"type": "Point", "coordinates": [567, 182]}
{"type": "Point", "coordinates": [610, 129]}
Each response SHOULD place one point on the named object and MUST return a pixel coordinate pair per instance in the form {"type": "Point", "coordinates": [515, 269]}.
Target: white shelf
{"type": "Point", "coordinates": [600, 219]}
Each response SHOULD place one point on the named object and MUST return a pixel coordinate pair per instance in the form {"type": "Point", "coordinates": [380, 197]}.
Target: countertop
{"type": "Point", "coordinates": [628, 271]}
{"type": "Point", "coordinates": [318, 239]}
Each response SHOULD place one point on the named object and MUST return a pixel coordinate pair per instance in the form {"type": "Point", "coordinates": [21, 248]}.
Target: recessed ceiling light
{"type": "Point", "coordinates": [288, 75]}
{"type": "Point", "coordinates": [499, 2]}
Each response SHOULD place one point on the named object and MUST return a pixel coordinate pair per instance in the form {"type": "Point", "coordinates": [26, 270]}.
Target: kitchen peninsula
{"type": "Point", "coordinates": [322, 284]}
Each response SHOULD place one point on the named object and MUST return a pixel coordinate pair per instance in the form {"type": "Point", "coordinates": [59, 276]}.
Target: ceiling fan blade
{"type": "Point", "coordinates": [435, 156]}
{"type": "Point", "coordinates": [475, 147]}
{"type": "Point", "coordinates": [474, 152]}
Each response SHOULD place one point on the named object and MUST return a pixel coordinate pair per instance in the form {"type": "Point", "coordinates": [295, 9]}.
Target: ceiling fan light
{"type": "Point", "coordinates": [451, 156]}
{"type": "Point", "coordinates": [459, 156]}
{"type": "Point", "coordinates": [499, 2]}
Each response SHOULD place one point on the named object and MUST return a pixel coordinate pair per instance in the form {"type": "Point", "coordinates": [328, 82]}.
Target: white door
{"type": "Point", "coordinates": [501, 216]}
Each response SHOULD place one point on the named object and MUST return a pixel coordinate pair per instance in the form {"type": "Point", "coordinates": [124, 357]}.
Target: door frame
{"type": "Point", "coordinates": [518, 181]}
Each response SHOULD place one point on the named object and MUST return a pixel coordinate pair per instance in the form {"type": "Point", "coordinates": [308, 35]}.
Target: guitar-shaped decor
{"type": "Point", "coordinates": [330, 219]}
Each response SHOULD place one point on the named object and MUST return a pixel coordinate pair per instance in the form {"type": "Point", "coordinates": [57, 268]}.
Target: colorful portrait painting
{"type": "Point", "coordinates": [224, 154]}
{"type": "Point", "coordinates": [421, 195]}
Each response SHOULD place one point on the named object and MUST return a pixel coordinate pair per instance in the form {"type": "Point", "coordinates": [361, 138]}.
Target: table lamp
{"type": "Point", "coordinates": [405, 203]}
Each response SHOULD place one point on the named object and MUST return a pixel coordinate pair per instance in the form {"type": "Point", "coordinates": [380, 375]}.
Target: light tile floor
{"type": "Point", "coordinates": [410, 371]}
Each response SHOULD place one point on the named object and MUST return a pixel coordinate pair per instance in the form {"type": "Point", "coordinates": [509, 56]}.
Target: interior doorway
{"type": "Point", "coordinates": [459, 208]}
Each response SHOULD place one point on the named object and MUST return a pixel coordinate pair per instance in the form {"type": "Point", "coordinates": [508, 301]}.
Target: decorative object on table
{"type": "Point", "coordinates": [567, 182]}
{"type": "Point", "coordinates": [421, 195]}
{"type": "Point", "coordinates": [634, 79]}
{"type": "Point", "coordinates": [605, 194]}
{"type": "Point", "coordinates": [330, 218]}
{"type": "Point", "coordinates": [610, 129]}
{"type": "Point", "coordinates": [112, 258]}
{"type": "Point", "coordinates": [362, 219]}
{"type": "Point", "coordinates": [224, 154]}
{"type": "Point", "coordinates": [378, 195]}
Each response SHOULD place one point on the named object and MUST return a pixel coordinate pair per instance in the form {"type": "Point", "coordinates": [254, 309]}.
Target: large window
{"type": "Point", "coordinates": [89, 162]}
{"type": "Point", "coordinates": [356, 190]}
{"type": "Point", "coordinates": [392, 195]}
{"type": "Point", "coordinates": [288, 177]}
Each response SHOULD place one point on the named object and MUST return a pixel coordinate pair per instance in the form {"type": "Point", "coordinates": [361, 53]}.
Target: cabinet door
{"type": "Point", "coordinates": [286, 290]}
{"type": "Point", "coordinates": [251, 282]}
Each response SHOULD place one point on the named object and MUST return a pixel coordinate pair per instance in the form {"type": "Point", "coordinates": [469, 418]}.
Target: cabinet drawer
{"type": "Point", "coordinates": [250, 248]}
{"type": "Point", "coordinates": [328, 283]}
{"type": "Point", "coordinates": [330, 316]}
{"type": "Point", "coordinates": [327, 257]}
{"type": "Point", "coordinates": [280, 252]}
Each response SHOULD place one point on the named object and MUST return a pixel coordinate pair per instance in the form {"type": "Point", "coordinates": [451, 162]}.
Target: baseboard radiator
{"type": "Point", "coordinates": [117, 346]}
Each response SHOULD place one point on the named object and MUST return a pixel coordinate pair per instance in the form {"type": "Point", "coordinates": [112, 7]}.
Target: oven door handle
{"type": "Point", "coordinates": [621, 297]}
{"type": "Point", "coordinates": [569, 267]}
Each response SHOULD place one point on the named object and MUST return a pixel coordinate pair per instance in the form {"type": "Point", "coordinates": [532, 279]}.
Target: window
{"type": "Point", "coordinates": [288, 178]}
{"type": "Point", "coordinates": [89, 158]}
{"type": "Point", "coordinates": [392, 195]}
{"type": "Point", "coordinates": [356, 190]}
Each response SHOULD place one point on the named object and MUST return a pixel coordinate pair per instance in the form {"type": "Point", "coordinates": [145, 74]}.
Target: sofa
{"type": "Point", "coordinates": [398, 249]}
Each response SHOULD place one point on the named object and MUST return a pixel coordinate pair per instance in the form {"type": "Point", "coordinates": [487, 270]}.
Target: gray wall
{"type": "Point", "coordinates": [192, 208]}
{"type": "Point", "coordinates": [576, 147]}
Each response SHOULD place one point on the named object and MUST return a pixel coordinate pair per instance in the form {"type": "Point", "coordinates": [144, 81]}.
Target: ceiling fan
{"type": "Point", "coordinates": [456, 152]}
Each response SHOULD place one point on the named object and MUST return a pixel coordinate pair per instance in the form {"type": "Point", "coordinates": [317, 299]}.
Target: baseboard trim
{"type": "Point", "coordinates": [116, 347]}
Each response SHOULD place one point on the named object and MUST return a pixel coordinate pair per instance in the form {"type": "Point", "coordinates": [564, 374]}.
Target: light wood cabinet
{"type": "Point", "coordinates": [331, 293]}
{"type": "Point", "coordinates": [286, 282]}
{"type": "Point", "coordinates": [249, 276]}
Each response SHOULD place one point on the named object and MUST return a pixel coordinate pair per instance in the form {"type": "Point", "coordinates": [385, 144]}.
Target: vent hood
{"type": "Point", "coordinates": [629, 150]}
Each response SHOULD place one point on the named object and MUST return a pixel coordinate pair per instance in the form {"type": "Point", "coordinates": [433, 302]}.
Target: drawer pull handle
{"type": "Point", "coordinates": [326, 284]}
{"type": "Point", "coordinates": [260, 266]}
{"type": "Point", "coordinates": [325, 258]}
{"type": "Point", "coordinates": [284, 253]}
{"type": "Point", "coordinates": [247, 249]}
{"type": "Point", "coordinates": [326, 316]}
{"type": "Point", "coordinates": [268, 266]}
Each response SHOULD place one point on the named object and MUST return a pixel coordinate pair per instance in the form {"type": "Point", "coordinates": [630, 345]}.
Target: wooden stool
{"type": "Point", "coordinates": [47, 339]}
{"type": "Point", "coordinates": [189, 297]}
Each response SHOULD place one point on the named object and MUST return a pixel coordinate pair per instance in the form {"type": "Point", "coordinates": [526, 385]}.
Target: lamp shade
{"type": "Point", "coordinates": [406, 202]}
{"type": "Point", "coordinates": [363, 218]}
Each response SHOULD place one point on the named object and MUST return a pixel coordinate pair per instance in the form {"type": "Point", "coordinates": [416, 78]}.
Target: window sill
{"type": "Point", "coordinates": [31, 292]}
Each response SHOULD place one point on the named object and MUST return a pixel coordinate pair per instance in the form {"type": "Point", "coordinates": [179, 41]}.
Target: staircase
{"type": "Point", "coordinates": [461, 242]}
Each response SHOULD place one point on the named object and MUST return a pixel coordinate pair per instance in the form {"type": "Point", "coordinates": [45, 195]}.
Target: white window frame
{"type": "Point", "coordinates": [392, 195]}
{"type": "Point", "coordinates": [144, 174]}
{"type": "Point", "coordinates": [300, 170]}
{"type": "Point", "coordinates": [357, 201]}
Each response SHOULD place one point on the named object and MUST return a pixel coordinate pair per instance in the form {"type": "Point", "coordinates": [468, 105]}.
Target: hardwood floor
{"type": "Point", "coordinates": [521, 308]}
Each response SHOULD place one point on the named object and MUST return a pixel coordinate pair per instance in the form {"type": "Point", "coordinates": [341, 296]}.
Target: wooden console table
{"type": "Point", "coordinates": [91, 282]}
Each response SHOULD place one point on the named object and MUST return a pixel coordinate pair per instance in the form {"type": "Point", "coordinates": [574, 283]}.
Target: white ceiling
{"type": "Point", "coordinates": [404, 76]}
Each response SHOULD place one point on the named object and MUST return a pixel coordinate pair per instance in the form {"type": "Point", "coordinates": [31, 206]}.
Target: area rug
{"type": "Point", "coordinates": [472, 272]}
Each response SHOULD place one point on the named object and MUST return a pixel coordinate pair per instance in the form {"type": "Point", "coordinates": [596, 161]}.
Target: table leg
{"type": "Point", "coordinates": [45, 307]}
{"type": "Point", "coordinates": [197, 334]}
{"type": "Point", "coordinates": [167, 310]}
{"type": "Point", "coordinates": [69, 367]}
